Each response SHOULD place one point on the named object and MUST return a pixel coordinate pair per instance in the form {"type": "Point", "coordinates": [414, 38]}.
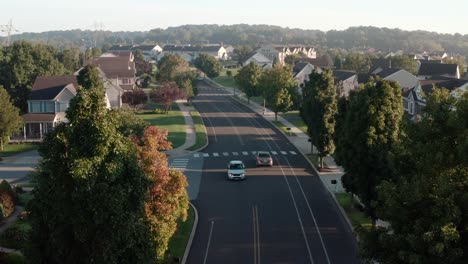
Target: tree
{"type": "Point", "coordinates": [71, 59]}
{"type": "Point", "coordinates": [88, 204]}
{"type": "Point", "coordinates": [291, 59]}
{"type": "Point", "coordinates": [372, 125]}
{"type": "Point", "coordinates": [10, 120]}
{"type": "Point", "coordinates": [168, 93]}
{"type": "Point", "coordinates": [134, 98]}
{"type": "Point", "coordinates": [338, 64]}
{"type": "Point", "coordinates": [431, 190]}
{"type": "Point", "coordinates": [187, 81]}
{"type": "Point", "coordinates": [242, 53]}
{"type": "Point", "coordinates": [357, 62]}
{"type": "Point", "coordinates": [247, 79]}
{"type": "Point", "coordinates": [319, 108]}
{"type": "Point", "coordinates": [167, 198]}
{"type": "Point", "coordinates": [89, 77]}
{"type": "Point", "coordinates": [22, 62]}
{"type": "Point", "coordinates": [170, 66]}
{"type": "Point", "coordinates": [276, 84]}
{"type": "Point", "coordinates": [208, 64]}
{"type": "Point", "coordinates": [404, 62]}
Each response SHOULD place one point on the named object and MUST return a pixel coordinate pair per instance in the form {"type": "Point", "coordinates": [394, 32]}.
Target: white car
{"type": "Point", "coordinates": [236, 170]}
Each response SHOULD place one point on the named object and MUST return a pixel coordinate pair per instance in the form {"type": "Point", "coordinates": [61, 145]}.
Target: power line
{"type": "Point", "coordinates": [8, 29]}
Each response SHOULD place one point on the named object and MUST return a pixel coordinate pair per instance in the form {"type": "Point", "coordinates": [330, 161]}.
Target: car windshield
{"type": "Point", "coordinates": [263, 155]}
{"type": "Point", "coordinates": [236, 166]}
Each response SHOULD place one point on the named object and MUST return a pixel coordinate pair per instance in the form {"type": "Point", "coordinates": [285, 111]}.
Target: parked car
{"type": "Point", "coordinates": [263, 158]}
{"type": "Point", "coordinates": [236, 170]}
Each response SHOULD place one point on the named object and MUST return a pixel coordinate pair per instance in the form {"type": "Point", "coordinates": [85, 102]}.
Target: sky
{"type": "Point", "coordinates": [449, 16]}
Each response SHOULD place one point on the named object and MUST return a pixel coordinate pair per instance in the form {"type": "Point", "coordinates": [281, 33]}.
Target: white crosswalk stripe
{"type": "Point", "coordinates": [206, 155]}
{"type": "Point", "coordinates": [274, 153]}
{"type": "Point", "coordinates": [196, 155]}
{"type": "Point", "coordinates": [235, 153]}
{"type": "Point", "coordinates": [293, 152]}
{"type": "Point", "coordinates": [254, 152]}
{"type": "Point", "coordinates": [284, 152]}
{"type": "Point", "coordinates": [179, 164]}
{"type": "Point", "coordinates": [245, 153]}
{"type": "Point", "coordinates": [225, 154]}
{"type": "Point", "coordinates": [215, 154]}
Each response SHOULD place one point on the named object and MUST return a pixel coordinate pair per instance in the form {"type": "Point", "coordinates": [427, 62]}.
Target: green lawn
{"type": "Point", "coordinates": [12, 149]}
{"type": "Point", "coordinates": [296, 120]}
{"type": "Point", "coordinates": [356, 217]}
{"type": "Point", "coordinates": [173, 121]}
{"type": "Point", "coordinates": [200, 131]}
{"type": "Point", "coordinates": [283, 128]}
{"type": "Point", "coordinates": [226, 81]}
{"type": "Point", "coordinates": [179, 241]}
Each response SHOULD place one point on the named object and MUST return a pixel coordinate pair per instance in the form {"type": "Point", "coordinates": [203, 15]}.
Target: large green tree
{"type": "Point", "coordinates": [88, 204]}
{"type": "Point", "coordinates": [10, 120]}
{"type": "Point", "coordinates": [208, 64]}
{"type": "Point", "coordinates": [276, 85]}
{"type": "Point", "coordinates": [247, 79]}
{"type": "Point", "coordinates": [357, 62]}
{"type": "Point", "coordinates": [372, 125]}
{"type": "Point", "coordinates": [171, 66]}
{"type": "Point", "coordinates": [318, 111]}
{"type": "Point", "coordinates": [404, 62]}
{"type": "Point", "coordinates": [22, 62]}
{"type": "Point", "coordinates": [427, 206]}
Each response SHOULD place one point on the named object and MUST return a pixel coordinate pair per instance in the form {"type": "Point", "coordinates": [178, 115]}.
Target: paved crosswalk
{"type": "Point", "coordinates": [240, 154]}
{"type": "Point", "coordinates": [179, 164]}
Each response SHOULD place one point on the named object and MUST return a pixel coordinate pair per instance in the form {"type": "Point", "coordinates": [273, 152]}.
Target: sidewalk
{"type": "Point", "coordinates": [190, 133]}
{"type": "Point", "coordinates": [300, 140]}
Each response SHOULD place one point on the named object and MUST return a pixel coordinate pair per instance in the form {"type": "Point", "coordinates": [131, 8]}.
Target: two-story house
{"type": "Point", "coordinates": [119, 68]}
{"type": "Point", "coordinates": [345, 81]}
{"type": "Point", "coordinates": [428, 70]}
{"type": "Point", "coordinates": [47, 103]}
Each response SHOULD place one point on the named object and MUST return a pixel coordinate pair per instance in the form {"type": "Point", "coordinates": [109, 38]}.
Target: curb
{"type": "Point", "coordinates": [192, 235]}
{"type": "Point", "coordinates": [343, 213]}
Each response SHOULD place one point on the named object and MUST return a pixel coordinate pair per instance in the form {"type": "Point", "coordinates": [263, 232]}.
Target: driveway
{"type": "Point", "coordinates": [16, 169]}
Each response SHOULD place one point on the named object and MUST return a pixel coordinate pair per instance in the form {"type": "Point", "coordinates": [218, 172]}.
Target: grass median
{"type": "Point", "coordinates": [173, 121]}
{"type": "Point", "coordinates": [179, 240]}
{"type": "Point", "coordinates": [351, 207]}
{"type": "Point", "coordinates": [199, 130]}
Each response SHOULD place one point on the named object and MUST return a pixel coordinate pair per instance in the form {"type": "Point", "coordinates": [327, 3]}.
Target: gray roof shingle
{"type": "Point", "coordinates": [48, 87]}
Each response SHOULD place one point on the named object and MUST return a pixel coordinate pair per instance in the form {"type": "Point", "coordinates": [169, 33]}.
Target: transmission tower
{"type": "Point", "coordinates": [8, 29]}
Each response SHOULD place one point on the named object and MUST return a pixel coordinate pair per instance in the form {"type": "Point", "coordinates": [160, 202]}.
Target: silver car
{"type": "Point", "coordinates": [263, 158]}
{"type": "Point", "coordinates": [236, 170]}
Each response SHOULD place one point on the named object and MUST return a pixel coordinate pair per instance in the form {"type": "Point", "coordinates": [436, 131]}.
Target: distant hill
{"type": "Point", "coordinates": [383, 39]}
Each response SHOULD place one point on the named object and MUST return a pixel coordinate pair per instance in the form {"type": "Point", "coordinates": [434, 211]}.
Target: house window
{"type": "Point", "coordinates": [410, 108]}
{"type": "Point", "coordinates": [35, 107]}
{"type": "Point", "coordinates": [125, 81]}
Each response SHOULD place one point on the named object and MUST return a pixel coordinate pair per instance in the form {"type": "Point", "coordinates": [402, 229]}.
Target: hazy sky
{"type": "Point", "coordinates": [449, 16]}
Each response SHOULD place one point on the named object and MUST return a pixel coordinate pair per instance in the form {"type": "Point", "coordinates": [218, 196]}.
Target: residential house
{"type": "Point", "coordinates": [118, 67]}
{"type": "Point", "coordinates": [302, 71]}
{"type": "Point", "coordinates": [322, 62]}
{"type": "Point", "coordinates": [428, 70]}
{"type": "Point", "coordinates": [414, 99]}
{"type": "Point", "coordinates": [345, 81]}
{"type": "Point", "coordinates": [279, 53]}
{"type": "Point", "coordinates": [259, 59]}
{"type": "Point", "coordinates": [378, 65]}
{"type": "Point", "coordinates": [47, 103]}
{"type": "Point", "coordinates": [150, 52]}
{"type": "Point", "coordinates": [400, 76]}
{"type": "Point", "coordinates": [190, 53]}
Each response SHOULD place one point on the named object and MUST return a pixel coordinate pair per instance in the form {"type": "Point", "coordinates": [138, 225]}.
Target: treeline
{"type": "Point", "coordinates": [383, 39]}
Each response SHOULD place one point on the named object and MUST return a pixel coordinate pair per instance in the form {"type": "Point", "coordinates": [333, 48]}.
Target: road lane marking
{"type": "Point", "coordinates": [256, 231]}
{"type": "Point", "coordinates": [274, 152]}
{"type": "Point", "coordinates": [225, 154]}
{"type": "Point", "coordinates": [235, 154]}
{"type": "Point", "coordinates": [293, 152]}
{"type": "Point", "coordinates": [254, 152]}
{"type": "Point", "coordinates": [209, 242]}
{"type": "Point", "coordinates": [245, 153]}
{"type": "Point", "coordinates": [215, 154]}
{"type": "Point", "coordinates": [284, 152]}
{"type": "Point", "coordinates": [196, 155]}
{"type": "Point", "coordinates": [206, 155]}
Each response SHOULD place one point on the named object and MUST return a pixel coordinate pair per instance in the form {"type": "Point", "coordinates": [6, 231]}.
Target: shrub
{"type": "Point", "coordinates": [7, 203]}
{"type": "Point", "coordinates": [17, 236]}
{"type": "Point", "coordinates": [13, 258]}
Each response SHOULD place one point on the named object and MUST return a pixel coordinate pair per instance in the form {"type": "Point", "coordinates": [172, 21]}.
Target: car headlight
{"type": "Point", "coordinates": [242, 174]}
{"type": "Point", "coordinates": [229, 174]}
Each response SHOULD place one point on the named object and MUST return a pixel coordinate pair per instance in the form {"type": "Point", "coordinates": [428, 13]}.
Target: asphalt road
{"type": "Point", "coordinates": [281, 214]}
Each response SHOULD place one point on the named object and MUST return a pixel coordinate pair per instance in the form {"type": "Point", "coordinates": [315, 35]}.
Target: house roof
{"type": "Point", "coordinates": [364, 77]}
{"type": "Point", "coordinates": [299, 66]}
{"type": "Point", "coordinates": [120, 48]}
{"type": "Point", "coordinates": [210, 48]}
{"type": "Point", "coordinates": [441, 82]}
{"type": "Point", "coordinates": [48, 87]}
{"type": "Point", "coordinates": [36, 117]}
{"type": "Point", "coordinates": [387, 72]}
{"type": "Point", "coordinates": [320, 62]}
{"type": "Point", "coordinates": [343, 75]}
{"type": "Point", "coordinates": [144, 47]}
{"type": "Point", "coordinates": [115, 67]}
{"type": "Point", "coordinates": [437, 69]}
{"type": "Point", "coordinates": [380, 63]}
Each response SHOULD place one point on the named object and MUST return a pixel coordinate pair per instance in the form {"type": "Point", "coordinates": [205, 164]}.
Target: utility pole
{"type": "Point", "coordinates": [8, 29]}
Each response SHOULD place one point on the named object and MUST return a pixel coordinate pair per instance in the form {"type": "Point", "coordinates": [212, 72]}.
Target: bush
{"type": "Point", "coordinates": [13, 258]}
{"type": "Point", "coordinates": [7, 203]}
{"type": "Point", "coordinates": [17, 236]}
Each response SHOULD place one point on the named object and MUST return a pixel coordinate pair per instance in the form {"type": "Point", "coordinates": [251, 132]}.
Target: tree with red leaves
{"type": "Point", "coordinates": [134, 98]}
{"type": "Point", "coordinates": [168, 93]}
{"type": "Point", "coordinates": [167, 199]}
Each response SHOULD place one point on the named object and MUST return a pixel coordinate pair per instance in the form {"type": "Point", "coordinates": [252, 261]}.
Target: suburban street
{"type": "Point", "coordinates": [281, 214]}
